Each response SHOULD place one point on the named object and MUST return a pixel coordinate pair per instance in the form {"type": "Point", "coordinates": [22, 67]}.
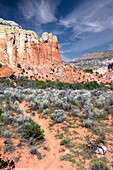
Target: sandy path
{"type": "Point", "coordinates": [52, 158]}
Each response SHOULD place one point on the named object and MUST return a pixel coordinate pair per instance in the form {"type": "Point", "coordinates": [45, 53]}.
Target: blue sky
{"type": "Point", "coordinates": [81, 26]}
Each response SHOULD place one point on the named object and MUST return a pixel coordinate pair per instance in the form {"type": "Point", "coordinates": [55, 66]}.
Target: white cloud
{"type": "Point", "coordinates": [65, 58]}
{"type": "Point", "coordinates": [64, 44]}
{"type": "Point", "coordinates": [110, 47]}
{"type": "Point", "coordinates": [89, 26]}
{"type": "Point", "coordinates": [43, 10]}
{"type": "Point", "coordinates": [91, 16]}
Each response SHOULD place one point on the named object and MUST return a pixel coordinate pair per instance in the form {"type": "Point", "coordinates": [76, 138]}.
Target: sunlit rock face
{"type": "Point", "coordinates": [6, 71]}
{"type": "Point", "coordinates": [24, 47]}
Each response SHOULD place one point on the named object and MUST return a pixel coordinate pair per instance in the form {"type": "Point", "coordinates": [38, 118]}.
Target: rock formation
{"type": "Point", "coordinates": [24, 54]}
{"type": "Point", "coordinates": [6, 71]}
{"type": "Point", "coordinates": [24, 47]}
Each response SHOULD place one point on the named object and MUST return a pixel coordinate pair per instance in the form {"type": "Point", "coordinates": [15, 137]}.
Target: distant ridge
{"type": "Point", "coordinates": [92, 55]}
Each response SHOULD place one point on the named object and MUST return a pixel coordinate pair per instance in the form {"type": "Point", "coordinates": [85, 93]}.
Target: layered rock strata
{"type": "Point", "coordinates": [24, 46]}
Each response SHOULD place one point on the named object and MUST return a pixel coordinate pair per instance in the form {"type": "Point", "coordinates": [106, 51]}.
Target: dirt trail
{"type": "Point", "coordinates": [52, 158]}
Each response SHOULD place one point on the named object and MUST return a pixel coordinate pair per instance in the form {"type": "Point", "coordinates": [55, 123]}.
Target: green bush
{"type": "Point", "coordinates": [33, 130]}
{"type": "Point", "coordinates": [88, 71]}
{"type": "Point", "coordinates": [65, 141]}
{"type": "Point", "coordinates": [24, 82]}
{"type": "Point", "coordinates": [0, 65]}
{"type": "Point", "coordinates": [7, 82]}
{"type": "Point", "coordinates": [13, 77]}
{"type": "Point", "coordinates": [99, 165]}
{"type": "Point", "coordinates": [58, 116]}
{"type": "Point", "coordinates": [1, 111]}
{"type": "Point", "coordinates": [18, 65]}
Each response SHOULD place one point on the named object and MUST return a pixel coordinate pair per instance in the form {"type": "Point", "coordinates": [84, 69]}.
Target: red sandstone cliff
{"type": "Point", "coordinates": [24, 47]}
{"type": "Point", "coordinates": [6, 71]}
{"type": "Point", "coordinates": [39, 58]}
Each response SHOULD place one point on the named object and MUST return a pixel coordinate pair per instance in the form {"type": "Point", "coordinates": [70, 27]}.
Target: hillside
{"type": "Point", "coordinates": [55, 129]}
{"type": "Point", "coordinates": [97, 61]}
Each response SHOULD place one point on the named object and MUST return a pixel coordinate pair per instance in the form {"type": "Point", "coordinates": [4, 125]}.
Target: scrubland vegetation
{"type": "Point", "coordinates": [72, 106]}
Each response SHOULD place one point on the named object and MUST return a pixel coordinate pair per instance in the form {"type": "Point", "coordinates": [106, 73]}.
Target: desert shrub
{"type": "Point", "coordinates": [64, 141]}
{"type": "Point", "coordinates": [59, 135]}
{"type": "Point", "coordinates": [98, 112]}
{"type": "Point", "coordinates": [18, 110]}
{"type": "Point", "coordinates": [87, 111]}
{"type": "Point", "coordinates": [16, 103]}
{"type": "Point", "coordinates": [21, 120]}
{"type": "Point", "coordinates": [17, 96]}
{"type": "Point", "coordinates": [18, 65]}
{"type": "Point", "coordinates": [99, 165]}
{"type": "Point", "coordinates": [0, 65]}
{"type": "Point", "coordinates": [100, 102]}
{"type": "Point", "coordinates": [88, 123]}
{"type": "Point", "coordinates": [28, 91]}
{"type": "Point", "coordinates": [5, 82]}
{"type": "Point", "coordinates": [88, 71]}
{"type": "Point", "coordinates": [77, 110]}
{"type": "Point", "coordinates": [110, 101]}
{"type": "Point", "coordinates": [6, 134]}
{"type": "Point", "coordinates": [29, 97]}
{"type": "Point", "coordinates": [101, 139]}
{"type": "Point", "coordinates": [59, 102]}
{"type": "Point", "coordinates": [32, 129]}
{"type": "Point", "coordinates": [58, 116]}
{"type": "Point", "coordinates": [13, 77]}
{"type": "Point", "coordinates": [33, 150]}
{"type": "Point", "coordinates": [1, 111]}
{"type": "Point", "coordinates": [6, 118]}
{"type": "Point", "coordinates": [15, 124]}
{"type": "Point", "coordinates": [81, 99]}
{"type": "Point", "coordinates": [58, 85]}
{"type": "Point", "coordinates": [66, 106]}
{"type": "Point", "coordinates": [39, 104]}
{"type": "Point", "coordinates": [46, 111]}
{"type": "Point", "coordinates": [8, 148]}
{"type": "Point", "coordinates": [80, 145]}
{"type": "Point", "coordinates": [68, 157]}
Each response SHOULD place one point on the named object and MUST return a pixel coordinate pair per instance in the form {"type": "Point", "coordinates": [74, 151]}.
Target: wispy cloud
{"type": "Point", "coordinates": [110, 47]}
{"type": "Point", "coordinates": [65, 58]}
{"type": "Point", "coordinates": [89, 26]}
{"type": "Point", "coordinates": [42, 10]}
{"type": "Point", "coordinates": [91, 16]}
{"type": "Point", "coordinates": [64, 44]}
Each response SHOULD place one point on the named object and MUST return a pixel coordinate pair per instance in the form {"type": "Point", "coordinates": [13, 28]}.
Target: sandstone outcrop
{"type": "Point", "coordinates": [24, 54]}
{"type": "Point", "coordinates": [6, 71]}
{"type": "Point", "coordinates": [24, 47]}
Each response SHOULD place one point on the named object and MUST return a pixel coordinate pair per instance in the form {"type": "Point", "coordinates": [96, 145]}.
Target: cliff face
{"type": "Point", "coordinates": [39, 58]}
{"type": "Point", "coordinates": [6, 71]}
{"type": "Point", "coordinates": [24, 47]}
